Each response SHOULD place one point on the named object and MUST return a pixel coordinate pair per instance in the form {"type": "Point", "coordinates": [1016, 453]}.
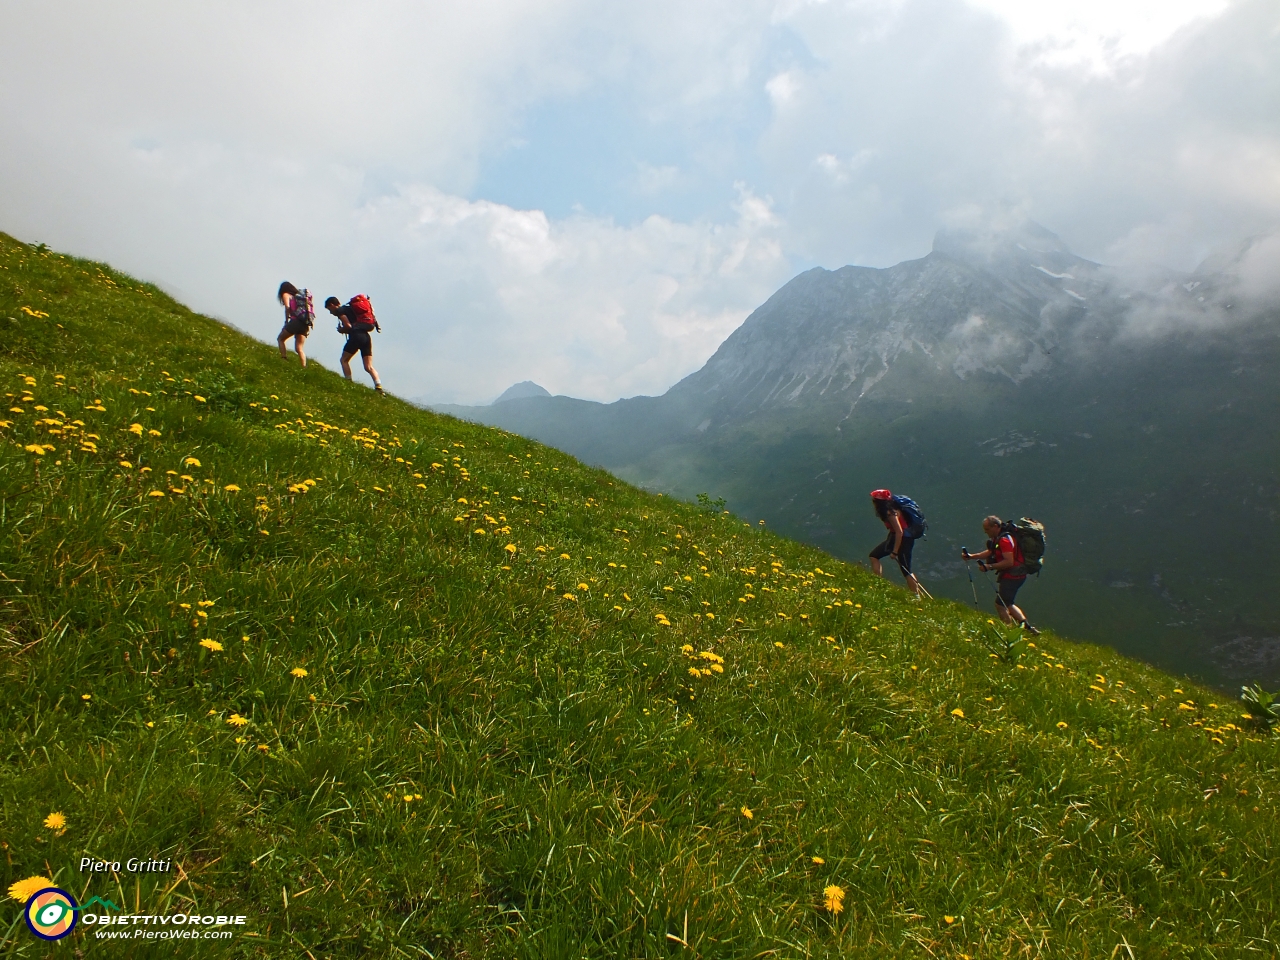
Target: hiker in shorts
{"type": "Point", "coordinates": [1004, 556]}
{"type": "Point", "coordinates": [358, 338]}
{"type": "Point", "coordinates": [901, 539]}
{"type": "Point", "coordinates": [298, 319]}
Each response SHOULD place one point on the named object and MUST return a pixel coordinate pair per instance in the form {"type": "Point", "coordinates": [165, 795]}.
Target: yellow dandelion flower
{"type": "Point", "coordinates": [957, 712]}
{"type": "Point", "coordinates": [264, 748]}
{"type": "Point", "coordinates": [135, 428]}
{"type": "Point", "coordinates": [833, 898]}
{"type": "Point", "coordinates": [191, 462]}
{"type": "Point", "coordinates": [153, 433]}
{"type": "Point", "coordinates": [55, 821]}
{"type": "Point", "coordinates": [1062, 724]}
{"type": "Point", "coordinates": [231, 488]}
{"type": "Point", "coordinates": [299, 672]}
{"type": "Point", "coordinates": [948, 919]}
{"type": "Point", "coordinates": [510, 548]}
{"type": "Point", "coordinates": [818, 860]}
{"type": "Point", "coordinates": [199, 399]}
{"type": "Point", "coordinates": [156, 493]}
{"type": "Point", "coordinates": [213, 645]}
{"type": "Point", "coordinates": [583, 586]}
{"type": "Point", "coordinates": [570, 596]}
{"type": "Point", "coordinates": [565, 556]}
{"type": "Point", "coordinates": [23, 890]}
{"type": "Point", "coordinates": [86, 696]}
{"type": "Point", "coordinates": [746, 812]}
{"type": "Point", "coordinates": [462, 499]}
{"type": "Point", "coordinates": [126, 464]}
{"type": "Point", "coordinates": [236, 720]}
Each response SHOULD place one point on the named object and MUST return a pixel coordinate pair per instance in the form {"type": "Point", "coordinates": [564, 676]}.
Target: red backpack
{"type": "Point", "coordinates": [363, 311]}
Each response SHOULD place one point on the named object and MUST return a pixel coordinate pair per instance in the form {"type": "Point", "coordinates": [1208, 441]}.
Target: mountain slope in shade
{"type": "Point", "coordinates": [999, 374]}
{"type": "Point", "coordinates": [522, 391]}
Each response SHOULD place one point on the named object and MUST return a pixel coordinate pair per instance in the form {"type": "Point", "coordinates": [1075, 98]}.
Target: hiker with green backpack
{"type": "Point", "coordinates": [1014, 550]}
{"type": "Point", "coordinates": [357, 321]}
{"type": "Point", "coordinates": [299, 318]}
{"type": "Point", "coordinates": [901, 516]}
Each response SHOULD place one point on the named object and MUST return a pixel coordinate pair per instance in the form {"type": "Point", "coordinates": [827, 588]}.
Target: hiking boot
{"type": "Point", "coordinates": [378, 387]}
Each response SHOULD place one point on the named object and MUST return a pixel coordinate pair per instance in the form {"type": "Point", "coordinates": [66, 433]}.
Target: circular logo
{"type": "Point", "coordinates": [51, 913]}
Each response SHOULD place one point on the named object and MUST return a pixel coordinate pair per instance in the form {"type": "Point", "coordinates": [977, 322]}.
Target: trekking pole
{"type": "Point", "coordinates": [972, 586]}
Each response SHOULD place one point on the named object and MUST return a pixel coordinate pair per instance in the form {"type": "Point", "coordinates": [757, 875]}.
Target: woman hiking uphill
{"type": "Point", "coordinates": [904, 529]}
{"type": "Point", "coordinates": [299, 317]}
{"type": "Point", "coordinates": [1004, 556]}
{"type": "Point", "coordinates": [356, 320]}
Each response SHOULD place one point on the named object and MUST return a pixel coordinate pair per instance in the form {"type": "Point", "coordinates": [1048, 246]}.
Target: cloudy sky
{"type": "Point", "coordinates": [593, 195]}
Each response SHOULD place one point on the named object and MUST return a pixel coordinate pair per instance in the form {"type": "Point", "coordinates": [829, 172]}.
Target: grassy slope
{"type": "Point", "coordinates": [498, 754]}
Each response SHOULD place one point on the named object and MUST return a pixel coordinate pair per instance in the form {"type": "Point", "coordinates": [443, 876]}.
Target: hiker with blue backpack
{"type": "Point", "coordinates": [901, 516]}
{"type": "Point", "coordinates": [299, 318]}
{"type": "Point", "coordinates": [357, 321]}
{"type": "Point", "coordinates": [1013, 551]}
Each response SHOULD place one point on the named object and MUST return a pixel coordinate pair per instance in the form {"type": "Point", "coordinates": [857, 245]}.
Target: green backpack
{"type": "Point", "coordinates": [1028, 534]}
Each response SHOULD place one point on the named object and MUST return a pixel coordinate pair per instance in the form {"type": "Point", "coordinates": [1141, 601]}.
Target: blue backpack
{"type": "Point", "coordinates": [916, 524]}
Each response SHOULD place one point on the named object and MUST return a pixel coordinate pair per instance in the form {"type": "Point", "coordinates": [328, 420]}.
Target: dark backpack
{"type": "Point", "coordinates": [916, 524]}
{"type": "Point", "coordinates": [1028, 535]}
{"type": "Point", "coordinates": [363, 311]}
{"type": "Point", "coordinates": [303, 311]}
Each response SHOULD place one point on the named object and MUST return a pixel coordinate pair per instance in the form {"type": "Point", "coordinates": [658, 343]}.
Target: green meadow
{"type": "Point", "coordinates": [392, 684]}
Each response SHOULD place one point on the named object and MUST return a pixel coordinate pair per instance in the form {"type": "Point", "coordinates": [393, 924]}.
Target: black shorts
{"type": "Point", "coordinates": [1006, 590]}
{"type": "Point", "coordinates": [295, 328]}
{"type": "Point", "coordinates": [358, 341]}
{"type": "Point", "coordinates": [904, 555]}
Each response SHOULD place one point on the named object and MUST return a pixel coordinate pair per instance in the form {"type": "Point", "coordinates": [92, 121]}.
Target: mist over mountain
{"type": "Point", "coordinates": [1132, 411]}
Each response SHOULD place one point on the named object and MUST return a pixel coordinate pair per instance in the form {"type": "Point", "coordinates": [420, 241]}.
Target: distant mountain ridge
{"type": "Point", "coordinates": [1107, 404]}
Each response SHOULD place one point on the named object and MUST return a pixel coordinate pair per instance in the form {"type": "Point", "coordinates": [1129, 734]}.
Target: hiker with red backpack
{"type": "Point", "coordinates": [299, 318]}
{"type": "Point", "coordinates": [1013, 551]}
{"type": "Point", "coordinates": [357, 321]}
{"type": "Point", "coordinates": [901, 516]}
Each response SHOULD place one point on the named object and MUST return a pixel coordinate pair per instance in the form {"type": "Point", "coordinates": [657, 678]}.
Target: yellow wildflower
{"type": "Point", "coordinates": [231, 488]}
{"type": "Point", "coordinates": [156, 493]}
{"type": "Point", "coordinates": [236, 720]}
{"type": "Point", "coordinates": [135, 428]}
{"type": "Point", "coordinates": [746, 812]}
{"type": "Point", "coordinates": [1062, 724]}
{"type": "Point", "coordinates": [24, 890]}
{"type": "Point", "coordinates": [818, 860]}
{"type": "Point", "coordinates": [510, 548]}
{"type": "Point", "coordinates": [299, 672]}
{"type": "Point", "coordinates": [55, 821]}
{"type": "Point", "coordinates": [833, 898]}
{"type": "Point", "coordinates": [957, 712]}
{"type": "Point", "coordinates": [213, 645]}
{"type": "Point", "coordinates": [191, 462]}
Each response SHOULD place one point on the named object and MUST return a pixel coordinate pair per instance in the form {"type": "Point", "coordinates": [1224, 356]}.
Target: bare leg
{"type": "Point", "coordinates": [346, 364]}
{"type": "Point", "coordinates": [368, 365]}
{"type": "Point", "coordinates": [298, 341]}
{"type": "Point", "coordinates": [913, 583]}
{"type": "Point", "coordinates": [280, 340]}
{"type": "Point", "coordinates": [876, 568]}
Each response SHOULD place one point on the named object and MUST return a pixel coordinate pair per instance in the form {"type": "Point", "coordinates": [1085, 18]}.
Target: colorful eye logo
{"type": "Point", "coordinates": [51, 913]}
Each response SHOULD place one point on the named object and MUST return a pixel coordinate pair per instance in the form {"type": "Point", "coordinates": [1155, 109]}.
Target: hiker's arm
{"type": "Point", "coordinates": [977, 556]}
{"type": "Point", "coordinates": [896, 526]}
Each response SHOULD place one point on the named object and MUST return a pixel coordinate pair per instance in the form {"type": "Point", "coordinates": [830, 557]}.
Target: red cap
{"type": "Point", "coordinates": [881, 495]}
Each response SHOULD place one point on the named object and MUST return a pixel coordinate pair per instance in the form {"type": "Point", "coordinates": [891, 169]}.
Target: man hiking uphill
{"type": "Point", "coordinates": [299, 318]}
{"type": "Point", "coordinates": [1003, 555]}
{"type": "Point", "coordinates": [902, 518]}
{"type": "Point", "coordinates": [356, 320]}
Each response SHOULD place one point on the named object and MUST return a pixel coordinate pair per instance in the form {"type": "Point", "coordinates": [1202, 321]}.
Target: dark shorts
{"type": "Point", "coordinates": [358, 341]}
{"type": "Point", "coordinates": [294, 328]}
{"type": "Point", "coordinates": [904, 555]}
{"type": "Point", "coordinates": [1008, 589]}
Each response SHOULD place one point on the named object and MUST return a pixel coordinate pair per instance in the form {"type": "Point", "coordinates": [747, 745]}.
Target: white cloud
{"type": "Point", "coordinates": [221, 148]}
